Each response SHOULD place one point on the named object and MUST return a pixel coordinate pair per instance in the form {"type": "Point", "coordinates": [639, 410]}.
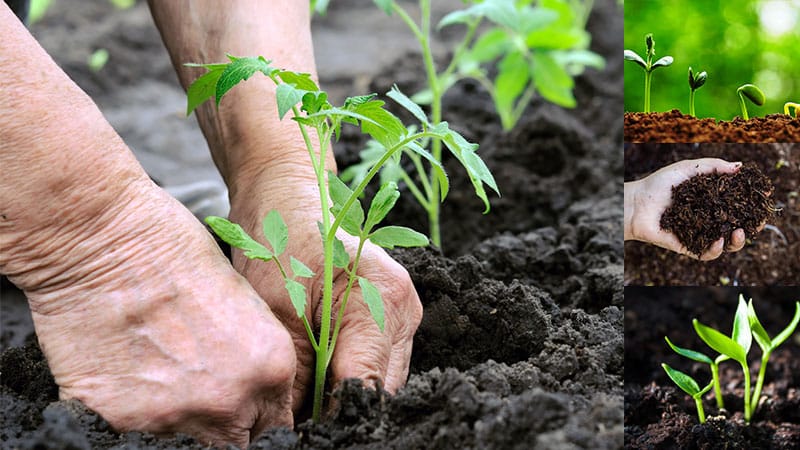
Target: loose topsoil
{"type": "Point", "coordinates": [658, 415]}
{"type": "Point", "coordinates": [709, 206]}
{"type": "Point", "coordinates": [521, 343]}
{"type": "Point", "coordinates": [674, 126]}
{"type": "Point", "coordinates": [771, 257]}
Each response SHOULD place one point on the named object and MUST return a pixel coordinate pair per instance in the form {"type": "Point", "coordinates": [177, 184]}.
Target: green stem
{"type": "Point", "coordinates": [647, 76]}
{"type": "Point", "coordinates": [421, 199]}
{"type": "Point", "coordinates": [743, 105]}
{"type": "Point", "coordinates": [701, 414]}
{"type": "Point", "coordinates": [760, 383]}
{"type": "Point", "coordinates": [691, 102]}
{"type": "Point", "coordinates": [345, 297]}
{"type": "Point", "coordinates": [748, 410]}
{"type": "Point", "coordinates": [415, 158]}
{"type": "Point", "coordinates": [717, 386]}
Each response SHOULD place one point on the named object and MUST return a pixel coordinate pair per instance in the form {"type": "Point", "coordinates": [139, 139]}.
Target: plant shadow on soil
{"type": "Point", "coordinates": [521, 344]}
{"type": "Point", "coordinates": [658, 415]}
{"type": "Point", "coordinates": [772, 257]}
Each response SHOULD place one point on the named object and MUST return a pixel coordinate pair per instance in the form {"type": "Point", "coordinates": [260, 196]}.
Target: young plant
{"type": "Point", "coordinates": [535, 49]}
{"type": "Point", "coordinates": [648, 65]}
{"type": "Point", "coordinates": [767, 345]}
{"type": "Point", "coordinates": [298, 93]}
{"type": "Point", "coordinates": [712, 363]}
{"type": "Point", "coordinates": [752, 93]}
{"type": "Point", "coordinates": [690, 386]}
{"type": "Point", "coordinates": [735, 347]}
{"type": "Point", "coordinates": [695, 81]}
{"type": "Point", "coordinates": [788, 106]}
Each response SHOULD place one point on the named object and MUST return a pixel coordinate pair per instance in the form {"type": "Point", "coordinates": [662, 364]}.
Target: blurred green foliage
{"type": "Point", "coordinates": [735, 41]}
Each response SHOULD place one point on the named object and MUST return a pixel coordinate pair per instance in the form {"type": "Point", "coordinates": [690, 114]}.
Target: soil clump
{"type": "Point", "coordinates": [674, 126]}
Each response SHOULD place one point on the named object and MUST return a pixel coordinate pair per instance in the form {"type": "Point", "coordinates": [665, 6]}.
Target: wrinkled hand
{"type": "Point", "coordinates": [647, 199]}
{"type": "Point", "coordinates": [362, 351]}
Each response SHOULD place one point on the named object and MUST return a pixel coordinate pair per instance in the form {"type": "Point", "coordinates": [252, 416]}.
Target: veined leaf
{"type": "Point", "coordinates": [406, 103]}
{"type": "Point", "coordinates": [381, 205]}
{"type": "Point", "coordinates": [438, 169]}
{"type": "Point", "coordinates": [511, 80]}
{"type": "Point", "coordinates": [297, 293]}
{"type": "Point", "coordinates": [490, 46]}
{"type": "Point", "coordinates": [204, 87]}
{"type": "Point", "coordinates": [372, 297]}
{"type": "Point", "coordinates": [552, 80]}
{"type": "Point", "coordinates": [233, 234]}
{"type": "Point", "coordinates": [394, 236]}
{"type": "Point", "coordinates": [691, 354]}
{"type": "Point", "coordinates": [684, 381]}
{"type": "Point", "coordinates": [240, 69]}
{"type": "Point", "coordinates": [300, 80]}
{"type": "Point", "coordinates": [275, 231]}
{"type": "Point", "coordinates": [299, 269]}
{"type": "Point", "coordinates": [287, 96]}
{"type": "Point", "coordinates": [719, 342]}
{"type": "Point", "coordinates": [341, 258]}
{"type": "Point", "coordinates": [353, 217]}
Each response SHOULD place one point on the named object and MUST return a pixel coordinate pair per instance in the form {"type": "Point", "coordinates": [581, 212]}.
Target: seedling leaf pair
{"type": "Point", "coordinates": [752, 93]}
{"type": "Point", "coordinates": [648, 65]}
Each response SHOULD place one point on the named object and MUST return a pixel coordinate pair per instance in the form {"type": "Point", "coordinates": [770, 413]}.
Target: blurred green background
{"type": "Point", "coordinates": [735, 41]}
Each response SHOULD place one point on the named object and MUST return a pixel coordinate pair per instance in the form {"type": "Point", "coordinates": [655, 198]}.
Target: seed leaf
{"type": "Point", "coordinates": [204, 87]}
{"type": "Point", "coordinates": [233, 234]}
{"type": "Point", "coordinates": [683, 380]}
{"type": "Point", "coordinates": [741, 326]}
{"type": "Point", "coordinates": [663, 62]}
{"type": "Point", "coordinates": [630, 55]}
{"type": "Point", "coordinates": [719, 342]}
{"type": "Point", "coordinates": [297, 293]}
{"type": "Point", "coordinates": [753, 93]}
{"type": "Point", "coordinates": [340, 193]}
{"type": "Point", "coordinates": [759, 333]}
{"type": "Point", "coordinates": [372, 297]}
{"type": "Point", "coordinates": [784, 335]}
{"type": "Point", "coordinates": [691, 354]}
{"type": "Point", "coordinates": [275, 231]}
{"type": "Point", "coordinates": [381, 205]}
{"type": "Point", "coordinates": [341, 258]}
{"type": "Point", "coordinates": [240, 69]}
{"type": "Point", "coordinates": [394, 236]}
{"type": "Point", "coordinates": [299, 269]}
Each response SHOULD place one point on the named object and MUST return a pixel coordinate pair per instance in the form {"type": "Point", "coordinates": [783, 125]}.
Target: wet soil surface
{"type": "Point", "coordinates": [521, 343]}
{"type": "Point", "coordinates": [770, 257]}
{"type": "Point", "coordinates": [674, 126]}
{"type": "Point", "coordinates": [658, 415]}
{"type": "Point", "coordinates": [708, 206]}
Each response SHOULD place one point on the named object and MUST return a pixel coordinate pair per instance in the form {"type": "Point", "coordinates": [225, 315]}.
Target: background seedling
{"type": "Point", "coordinates": [713, 364]}
{"type": "Point", "coordinates": [789, 106]}
{"type": "Point", "coordinates": [298, 93]}
{"type": "Point", "coordinates": [690, 386]}
{"type": "Point", "coordinates": [695, 81]}
{"type": "Point", "coordinates": [648, 65]}
{"type": "Point", "coordinates": [752, 93]}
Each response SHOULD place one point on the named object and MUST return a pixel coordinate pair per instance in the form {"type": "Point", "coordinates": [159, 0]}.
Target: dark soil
{"type": "Point", "coordinates": [674, 126]}
{"type": "Point", "coordinates": [521, 343]}
{"type": "Point", "coordinates": [772, 257]}
{"type": "Point", "coordinates": [708, 206]}
{"type": "Point", "coordinates": [658, 415]}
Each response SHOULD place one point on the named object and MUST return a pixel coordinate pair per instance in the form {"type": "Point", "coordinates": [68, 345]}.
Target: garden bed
{"type": "Point", "coordinates": [771, 257]}
{"type": "Point", "coordinates": [674, 126]}
{"type": "Point", "coordinates": [521, 341]}
{"type": "Point", "coordinates": [658, 415]}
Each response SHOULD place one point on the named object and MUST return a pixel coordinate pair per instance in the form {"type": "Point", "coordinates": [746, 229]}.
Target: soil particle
{"type": "Point", "coordinates": [674, 126]}
{"type": "Point", "coordinates": [709, 206]}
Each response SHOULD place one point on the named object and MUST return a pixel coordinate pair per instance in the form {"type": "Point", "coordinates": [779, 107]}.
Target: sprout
{"type": "Point", "coordinates": [753, 93]}
{"type": "Point", "coordinates": [712, 363]}
{"type": "Point", "coordinates": [788, 106]}
{"type": "Point", "coordinates": [648, 65]}
{"type": "Point", "coordinates": [695, 81]}
{"type": "Point", "coordinates": [691, 387]}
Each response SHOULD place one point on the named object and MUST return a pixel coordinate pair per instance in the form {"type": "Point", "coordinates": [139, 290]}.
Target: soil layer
{"type": "Point", "coordinates": [674, 126]}
{"type": "Point", "coordinates": [770, 257]}
{"type": "Point", "coordinates": [521, 344]}
{"type": "Point", "coordinates": [658, 415]}
{"type": "Point", "coordinates": [708, 206]}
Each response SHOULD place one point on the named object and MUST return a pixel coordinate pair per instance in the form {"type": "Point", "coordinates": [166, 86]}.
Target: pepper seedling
{"type": "Point", "coordinates": [767, 345]}
{"type": "Point", "coordinates": [789, 106]}
{"type": "Point", "coordinates": [648, 65]}
{"type": "Point", "coordinates": [342, 210]}
{"type": "Point", "coordinates": [712, 363]}
{"type": "Point", "coordinates": [690, 386]}
{"type": "Point", "coordinates": [695, 81]}
{"type": "Point", "coordinates": [752, 93]}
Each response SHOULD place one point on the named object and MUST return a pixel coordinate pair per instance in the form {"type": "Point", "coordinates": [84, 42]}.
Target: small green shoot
{"type": "Point", "coordinates": [695, 81]}
{"type": "Point", "coordinates": [767, 345]}
{"type": "Point", "coordinates": [712, 363]}
{"type": "Point", "coordinates": [298, 94]}
{"type": "Point", "coordinates": [752, 93]}
{"type": "Point", "coordinates": [648, 65]}
{"type": "Point", "coordinates": [97, 60]}
{"type": "Point", "coordinates": [789, 106]}
{"type": "Point", "coordinates": [690, 386]}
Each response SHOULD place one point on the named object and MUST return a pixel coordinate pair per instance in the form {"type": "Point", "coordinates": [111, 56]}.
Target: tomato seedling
{"type": "Point", "coordinates": [752, 93]}
{"type": "Point", "coordinates": [298, 93]}
{"type": "Point", "coordinates": [695, 81]}
{"type": "Point", "coordinates": [789, 106]}
{"type": "Point", "coordinates": [648, 65]}
{"type": "Point", "coordinates": [690, 386]}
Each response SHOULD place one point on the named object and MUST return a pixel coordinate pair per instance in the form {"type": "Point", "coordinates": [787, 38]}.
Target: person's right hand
{"type": "Point", "coordinates": [648, 198]}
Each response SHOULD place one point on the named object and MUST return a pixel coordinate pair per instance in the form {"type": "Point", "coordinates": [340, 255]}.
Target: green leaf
{"type": "Point", "coordinates": [511, 80]}
{"type": "Point", "coordinates": [204, 87]}
{"type": "Point", "coordinates": [381, 205]}
{"type": "Point", "coordinates": [406, 103]}
{"type": "Point", "coordinates": [233, 234]}
{"type": "Point", "coordinates": [382, 125]}
{"type": "Point", "coordinates": [275, 231]}
{"type": "Point", "coordinates": [394, 236]}
{"type": "Point", "coordinates": [741, 326]}
{"type": "Point", "coordinates": [489, 46]}
{"type": "Point", "coordinates": [240, 69]}
{"type": "Point", "coordinates": [385, 5]}
{"type": "Point", "coordinates": [315, 101]}
{"type": "Point", "coordinates": [438, 169]}
{"type": "Point", "coordinates": [784, 335]}
{"type": "Point", "coordinates": [552, 80]}
{"type": "Point", "coordinates": [340, 193]}
{"type": "Point", "coordinates": [341, 258]}
{"type": "Point", "coordinates": [753, 93]}
{"type": "Point", "coordinates": [299, 269]}
{"type": "Point", "coordinates": [300, 80]}
{"type": "Point", "coordinates": [691, 354]}
{"type": "Point", "coordinates": [759, 333]}
{"type": "Point", "coordinates": [683, 380]}
{"type": "Point", "coordinates": [297, 293]}
{"type": "Point", "coordinates": [372, 297]}
{"type": "Point", "coordinates": [476, 170]}
{"type": "Point", "coordinates": [287, 96]}
{"type": "Point", "coordinates": [719, 342]}
{"type": "Point", "coordinates": [630, 55]}
{"type": "Point", "coordinates": [663, 62]}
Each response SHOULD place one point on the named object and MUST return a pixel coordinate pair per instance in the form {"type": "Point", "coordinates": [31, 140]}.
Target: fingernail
{"type": "Point", "coordinates": [737, 164]}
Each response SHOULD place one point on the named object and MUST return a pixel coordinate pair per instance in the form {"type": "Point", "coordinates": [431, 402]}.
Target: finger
{"type": "Point", "coordinates": [399, 361]}
{"type": "Point", "coordinates": [737, 241]}
{"type": "Point", "coordinates": [714, 251]}
{"type": "Point", "coordinates": [709, 165]}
